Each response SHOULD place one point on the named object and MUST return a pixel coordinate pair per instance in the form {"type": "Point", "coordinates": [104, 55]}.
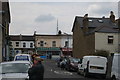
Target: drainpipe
{"type": "Point", "coordinates": [1, 43]}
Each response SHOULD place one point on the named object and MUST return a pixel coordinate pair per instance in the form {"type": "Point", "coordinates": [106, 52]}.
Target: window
{"type": "Point", "coordinates": [100, 21]}
{"type": "Point", "coordinates": [31, 45]}
{"type": "Point", "coordinates": [41, 43]}
{"type": "Point", "coordinates": [66, 43]}
{"type": "Point", "coordinates": [110, 39]}
{"type": "Point", "coordinates": [90, 20]}
{"type": "Point", "coordinates": [10, 44]}
{"type": "Point", "coordinates": [24, 44]}
{"type": "Point", "coordinates": [17, 44]}
{"type": "Point", "coordinates": [53, 43]}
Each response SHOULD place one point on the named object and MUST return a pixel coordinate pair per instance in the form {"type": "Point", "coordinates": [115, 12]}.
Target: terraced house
{"type": "Point", "coordinates": [4, 29]}
{"type": "Point", "coordinates": [21, 44]}
{"type": "Point", "coordinates": [91, 34]}
{"type": "Point", "coordinates": [53, 44]}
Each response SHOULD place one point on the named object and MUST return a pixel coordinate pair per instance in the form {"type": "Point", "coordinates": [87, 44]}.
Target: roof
{"type": "Point", "coordinates": [54, 35]}
{"type": "Point", "coordinates": [105, 29]}
{"type": "Point", "coordinates": [21, 37]}
{"type": "Point", "coordinates": [99, 24]}
{"type": "Point", "coordinates": [94, 57]}
{"type": "Point", "coordinates": [22, 55]}
{"type": "Point", "coordinates": [96, 22]}
{"type": "Point", "coordinates": [15, 62]}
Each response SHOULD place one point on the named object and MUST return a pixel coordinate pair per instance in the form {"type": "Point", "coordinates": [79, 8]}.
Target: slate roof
{"type": "Point", "coordinates": [97, 24]}
{"type": "Point", "coordinates": [105, 29]}
{"type": "Point", "coordinates": [22, 38]}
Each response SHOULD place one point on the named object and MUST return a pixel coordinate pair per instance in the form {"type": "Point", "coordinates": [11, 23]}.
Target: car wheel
{"type": "Point", "coordinates": [78, 71]}
{"type": "Point", "coordinates": [68, 68]}
{"type": "Point", "coordinates": [85, 74]}
{"type": "Point", "coordinates": [65, 68]}
{"type": "Point", "coordinates": [104, 76]}
{"type": "Point", "coordinates": [113, 77]}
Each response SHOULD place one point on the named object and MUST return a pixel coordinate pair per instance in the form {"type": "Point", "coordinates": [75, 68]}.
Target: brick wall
{"type": "Point", "coordinates": [82, 44]}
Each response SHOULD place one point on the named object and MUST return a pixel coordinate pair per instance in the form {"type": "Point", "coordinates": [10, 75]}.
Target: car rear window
{"type": "Point", "coordinates": [22, 58]}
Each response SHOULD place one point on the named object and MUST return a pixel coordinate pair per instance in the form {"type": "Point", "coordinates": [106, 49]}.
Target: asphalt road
{"type": "Point", "coordinates": [52, 72]}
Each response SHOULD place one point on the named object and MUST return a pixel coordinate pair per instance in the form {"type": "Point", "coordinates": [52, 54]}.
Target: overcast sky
{"type": "Point", "coordinates": [27, 17]}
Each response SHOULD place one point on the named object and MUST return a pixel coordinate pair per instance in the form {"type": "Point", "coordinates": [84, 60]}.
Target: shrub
{"type": "Point", "coordinates": [103, 53]}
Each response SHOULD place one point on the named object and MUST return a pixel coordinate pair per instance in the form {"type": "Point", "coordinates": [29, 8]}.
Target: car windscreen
{"type": "Point", "coordinates": [15, 68]}
{"type": "Point", "coordinates": [75, 60]}
{"type": "Point", "coordinates": [21, 58]}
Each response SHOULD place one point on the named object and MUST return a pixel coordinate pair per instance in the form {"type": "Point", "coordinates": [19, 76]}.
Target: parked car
{"type": "Point", "coordinates": [63, 63]}
{"type": "Point", "coordinates": [23, 57]}
{"type": "Point", "coordinates": [72, 64]}
{"type": "Point", "coordinates": [95, 65]}
{"type": "Point", "coordinates": [15, 70]}
{"type": "Point", "coordinates": [115, 72]}
{"type": "Point", "coordinates": [60, 61]}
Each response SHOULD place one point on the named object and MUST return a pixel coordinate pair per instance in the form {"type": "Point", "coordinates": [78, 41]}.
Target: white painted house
{"type": "Point", "coordinates": [22, 44]}
{"type": "Point", "coordinates": [53, 43]}
{"type": "Point", "coordinates": [67, 41]}
{"type": "Point", "coordinates": [107, 41]}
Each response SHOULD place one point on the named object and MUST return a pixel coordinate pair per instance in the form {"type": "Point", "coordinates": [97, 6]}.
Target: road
{"type": "Point", "coordinates": [52, 72]}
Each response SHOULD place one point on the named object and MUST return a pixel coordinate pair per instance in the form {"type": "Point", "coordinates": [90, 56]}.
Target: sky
{"type": "Point", "coordinates": [42, 17]}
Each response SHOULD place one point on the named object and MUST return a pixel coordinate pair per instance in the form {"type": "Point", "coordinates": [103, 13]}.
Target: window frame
{"type": "Point", "coordinates": [53, 43]}
{"type": "Point", "coordinates": [110, 39]}
{"type": "Point", "coordinates": [17, 44]}
{"type": "Point", "coordinates": [31, 45]}
{"type": "Point", "coordinates": [41, 43]}
{"type": "Point", "coordinates": [24, 44]}
{"type": "Point", "coordinates": [66, 43]}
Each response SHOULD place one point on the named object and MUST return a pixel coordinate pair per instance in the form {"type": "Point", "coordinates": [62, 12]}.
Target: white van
{"type": "Point", "coordinates": [23, 57]}
{"type": "Point", "coordinates": [115, 72]}
{"type": "Point", "coordinates": [96, 65]}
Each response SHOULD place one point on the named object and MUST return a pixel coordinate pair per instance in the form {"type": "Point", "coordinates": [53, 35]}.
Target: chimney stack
{"type": "Point", "coordinates": [85, 23]}
{"type": "Point", "coordinates": [112, 17]}
{"type": "Point", "coordinates": [20, 37]}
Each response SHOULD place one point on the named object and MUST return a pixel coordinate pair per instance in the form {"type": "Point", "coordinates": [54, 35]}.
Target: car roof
{"type": "Point", "coordinates": [116, 54]}
{"type": "Point", "coordinates": [15, 62]}
{"type": "Point", "coordinates": [93, 57]}
{"type": "Point", "coordinates": [22, 54]}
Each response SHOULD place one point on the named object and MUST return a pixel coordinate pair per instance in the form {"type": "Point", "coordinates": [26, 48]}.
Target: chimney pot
{"type": "Point", "coordinates": [112, 17]}
{"type": "Point", "coordinates": [103, 17]}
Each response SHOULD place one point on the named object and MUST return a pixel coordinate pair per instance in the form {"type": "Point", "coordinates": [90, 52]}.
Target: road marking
{"type": "Point", "coordinates": [51, 70]}
{"type": "Point", "coordinates": [63, 72]}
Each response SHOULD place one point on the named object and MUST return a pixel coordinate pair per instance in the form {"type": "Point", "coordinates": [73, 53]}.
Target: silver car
{"type": "Point", "coordinates": [14, 70]}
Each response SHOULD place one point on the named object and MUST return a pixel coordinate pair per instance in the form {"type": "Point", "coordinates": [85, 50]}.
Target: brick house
{"type": "Point", "coordinates": [4, 29]}
{"type": "Point", "coordinates": [87, 33]}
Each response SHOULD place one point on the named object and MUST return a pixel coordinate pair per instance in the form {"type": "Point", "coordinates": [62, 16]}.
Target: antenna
{"type": "Point", "coordinates": [57, 27]}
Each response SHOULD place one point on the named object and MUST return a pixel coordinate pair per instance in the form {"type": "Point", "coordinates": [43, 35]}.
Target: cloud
{"type": "Point", "coordinates": [64, 0]}
{"type": "Point", "coordinates": [102, 9]}
{"type": "Point", "coordinates": [119, 9]}
{"type": "Point", "coordinates": [45, 18]}
{"type": "Point", "coordinates": [42, 17]}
